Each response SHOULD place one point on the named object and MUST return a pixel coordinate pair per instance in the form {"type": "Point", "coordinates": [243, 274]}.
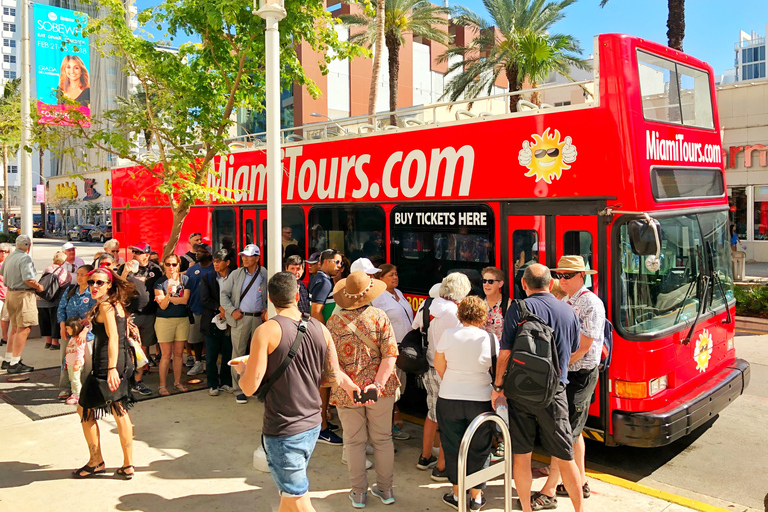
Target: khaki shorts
{"type": "Point", "coordinates": [21, 307]}
{"type": "Point", "coordinates": [168, 330]}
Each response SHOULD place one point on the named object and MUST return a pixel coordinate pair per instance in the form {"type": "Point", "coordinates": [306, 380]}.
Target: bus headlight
{"type": "Point", "coordinates": [657, 385]}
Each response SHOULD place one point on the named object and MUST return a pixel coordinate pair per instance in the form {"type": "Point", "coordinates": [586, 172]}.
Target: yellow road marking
{"type": "Point", "coordinates": [752, 331]}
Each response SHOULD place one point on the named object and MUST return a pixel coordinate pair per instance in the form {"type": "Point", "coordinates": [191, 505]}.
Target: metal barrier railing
{"type": "Point", "coordinates": [469, 481]}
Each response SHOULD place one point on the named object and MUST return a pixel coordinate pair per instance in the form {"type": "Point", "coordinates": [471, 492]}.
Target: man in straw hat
{"type": "Point", "coordinates": [292, 406]}
{"type": "Point", "coordinates": [582, 367]}
{"type": "Point", "coordinates": [367, 349]}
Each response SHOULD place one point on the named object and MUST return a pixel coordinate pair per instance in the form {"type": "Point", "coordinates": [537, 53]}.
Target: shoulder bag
{"type": "Point", "coordinates": [261, 393]}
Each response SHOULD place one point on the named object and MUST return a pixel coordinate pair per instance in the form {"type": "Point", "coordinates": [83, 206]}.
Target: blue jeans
{"type": "Point", "coordinates": [288, 458]}
{"type": "Point", "coordinates": [218, 342]}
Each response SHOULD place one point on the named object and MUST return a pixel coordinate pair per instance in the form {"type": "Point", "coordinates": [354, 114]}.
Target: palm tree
{"type": "Point", "coordinates": [419, 17]}
{"type": "Point", "coordinates": [675, 23]}
{"type": "Point", "coordinates": [10, 133]}
{"type": "Point", "coordinates": [511, 44]}
{"type": "Point", "coordinates": [377, 51]}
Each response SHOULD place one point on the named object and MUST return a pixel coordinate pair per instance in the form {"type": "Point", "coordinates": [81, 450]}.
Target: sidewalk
{"type": "Point", "coordinates": [194, 452]}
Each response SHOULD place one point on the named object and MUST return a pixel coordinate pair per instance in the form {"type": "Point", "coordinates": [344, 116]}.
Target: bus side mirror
{"type": "Point", "coordinates": [642, 237]}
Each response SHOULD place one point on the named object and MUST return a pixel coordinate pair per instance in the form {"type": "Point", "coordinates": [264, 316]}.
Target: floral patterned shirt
{"type": "Point", "coordinates": [356, 358]}
{"type": "Point", "coordinates": [495, 322]}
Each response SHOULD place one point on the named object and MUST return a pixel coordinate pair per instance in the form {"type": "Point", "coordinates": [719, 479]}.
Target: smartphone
{"type": "Point", "coordinates": [366, 396]}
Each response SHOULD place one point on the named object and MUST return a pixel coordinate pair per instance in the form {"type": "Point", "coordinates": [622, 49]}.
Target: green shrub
{"type": "Point", "coordinates": [11, 239]}
{"type": "Point", "coordinates": [751, 300]}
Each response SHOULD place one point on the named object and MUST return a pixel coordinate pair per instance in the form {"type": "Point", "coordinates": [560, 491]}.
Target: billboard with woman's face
{"type": "Point", "coordinates": [62, 64]}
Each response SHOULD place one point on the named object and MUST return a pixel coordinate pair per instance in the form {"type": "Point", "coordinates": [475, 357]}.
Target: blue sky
{"type": "Point", "coordinates": [711, 26]}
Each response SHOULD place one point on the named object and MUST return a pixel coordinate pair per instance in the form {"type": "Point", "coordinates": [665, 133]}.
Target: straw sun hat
{"type": "Point", "coordinates": [357, 290]}
{"type": "Point", "coordinates": [573, 264]}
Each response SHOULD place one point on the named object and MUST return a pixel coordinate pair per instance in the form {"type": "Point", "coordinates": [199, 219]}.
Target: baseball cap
{"type": "Point", "coordinates": [365, 265]}
{"type": "Point", "coordinates": [313, 258]}
{"type": "Point", "coordinates": [67, 246]}
{"type": "Point", "coordinates": [251, 250]}
{"type": "Point", "coordinates": [142, 247]}
{"type": "Point", "coordinates": [207, 248]}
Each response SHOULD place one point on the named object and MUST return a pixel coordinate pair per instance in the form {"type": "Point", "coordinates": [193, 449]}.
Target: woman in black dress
{"type": "Point", "coordinates": [113, 363]}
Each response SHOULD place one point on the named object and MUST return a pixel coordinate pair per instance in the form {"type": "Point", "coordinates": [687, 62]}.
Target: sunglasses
{"type": "Point", "coordinates": [560, 275]}
{"type": "Point", "coordinates": [490, 281]}
{"type": "Point", "coordinates": [117, 251]}
{"type": "Point", "coordinates": [171, 264]}
{"type": "Point", "coordinates": [98, 283]}
{"type": "Point", "coordinates": [541, 153]}
{"type": "Point", "coordinates": [137, 252]}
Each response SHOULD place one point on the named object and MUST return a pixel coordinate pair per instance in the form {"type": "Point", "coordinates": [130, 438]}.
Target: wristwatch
{"type": "Point", "coordinates": [379, 386]}
{"type": "Point", "coordinates": [498, 389]}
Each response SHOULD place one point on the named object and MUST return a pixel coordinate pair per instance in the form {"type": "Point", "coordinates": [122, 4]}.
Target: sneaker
{"type": "Point", "coordinates": [449, 500]}
{"type": "Point", "coordinates": [439, 475]}
{"type": "Point", "coordinates": [73, 399]}
{"type": "Point", "coordinates": [473, 505]}
{"type": "Point", "coordinates": [141, 389]}
{"type": "Point", "coordinates": [197, 368]}
{"type": "Point", "coordinates": [227, 389]}
{"type": "Point", "coordinates": [358, 500]}
{"type": "Point", "coordinates": [332, 427]}
{"type": "Point", "coordinates": [368, 463]}
{"type": "Point", "coordinates": [241, 398]}
{"type": "Point", "coordinates": [328, 437]}
{"type": "Point", "coordinates": [399, 434]}
{"type": "Point", "coordinates": [151, 363]}
{"type": "Point", "coordinates": [190, 362]}
{"type": "Point", "coordinates": [386, 497]}
{"type": "Point", "coordinates": [213, 392]}
{"type": "Point", "coordinates": [5, 365]}
{"type": "Point", "coordinates": [425, 464]}
{"type": "Point", "coordinates": [19, 367]}
{"type": "Point", "coordinates": [64, 394]}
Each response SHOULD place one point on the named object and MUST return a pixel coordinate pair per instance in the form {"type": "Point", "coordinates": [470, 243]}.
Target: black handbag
{"type": "Point", "coordinates": [97, 399]}
{"type": "Point", "coordinates": [412, 356]}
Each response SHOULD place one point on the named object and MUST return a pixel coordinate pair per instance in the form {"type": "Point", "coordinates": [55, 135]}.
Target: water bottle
{"type": "Point", "coordinates": [502, 410]}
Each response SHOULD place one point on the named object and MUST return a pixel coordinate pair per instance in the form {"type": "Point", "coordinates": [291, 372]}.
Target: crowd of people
{"type": "Point", "coordinates": [332, 343]}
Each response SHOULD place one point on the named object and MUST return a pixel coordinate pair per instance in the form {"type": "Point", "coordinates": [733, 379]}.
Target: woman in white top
{"type": "Point", "coordinates": [463, 358]}
{"type": "Point", "coordinates": [400, 314]}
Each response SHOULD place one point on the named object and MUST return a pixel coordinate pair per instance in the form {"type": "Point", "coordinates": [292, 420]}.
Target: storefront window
{"type": "Point", "coordinates": [737, 200]}
{"type": "Point", "coordinates": [761, 213]}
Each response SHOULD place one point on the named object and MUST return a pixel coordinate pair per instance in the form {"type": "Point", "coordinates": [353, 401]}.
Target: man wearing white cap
{"type": "Point", "coordinates": [73, 262]}
{"type": "Point", "coordinates": [244, 299]}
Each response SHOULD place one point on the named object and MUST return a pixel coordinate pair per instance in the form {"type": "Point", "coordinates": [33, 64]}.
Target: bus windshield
{"type": "Point", "coordinates": [690, 244]}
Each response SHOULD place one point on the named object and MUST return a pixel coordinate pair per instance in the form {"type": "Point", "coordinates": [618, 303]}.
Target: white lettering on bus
{"type": "Point", "coordinates": [451, 157]}
{"type": "Point", "coordinates": [421, 173]}
{"type": "Point", "coordinates": [386, 179]}
{"type": "Point", "coordinates": [678, 150]}
{"type": "Point", "coordinates": [308, 167]}
{"type": "Point", "coordinates": [362, 178]}
{"type": "Point", "coordinates": [291, 154]}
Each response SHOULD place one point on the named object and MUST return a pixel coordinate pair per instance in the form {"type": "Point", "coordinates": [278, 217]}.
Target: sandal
{"type": "Point", "coordinates": [541, 501]}
{"type": "Point", "coordinates": [123, 474]}
{"type": "Point", "coordinates": [180, 387]}
{"type": "Point", "coordinates": [163, 391]}
{"type": "Point", "coordinates": [90, 470]}
{"type": "Point", "coordinates": [585, 489]}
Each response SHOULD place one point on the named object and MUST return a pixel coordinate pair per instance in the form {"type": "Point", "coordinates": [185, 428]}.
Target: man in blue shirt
{"type": "Point", "coordinates": [195, 273]}
{"type": "Point", "coordinates": [552, 422]}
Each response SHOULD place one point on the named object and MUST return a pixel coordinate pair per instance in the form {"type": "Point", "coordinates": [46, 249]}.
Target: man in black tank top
{"type": "Point", "coordinates": [292, 407]}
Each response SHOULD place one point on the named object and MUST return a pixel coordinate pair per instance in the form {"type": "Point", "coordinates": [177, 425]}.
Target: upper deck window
{"type": "Point", "coordinates": [674, 93]}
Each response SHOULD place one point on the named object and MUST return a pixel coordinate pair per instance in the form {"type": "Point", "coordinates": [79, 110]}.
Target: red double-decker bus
{"type": "Point", "coordinates": [632, 180]}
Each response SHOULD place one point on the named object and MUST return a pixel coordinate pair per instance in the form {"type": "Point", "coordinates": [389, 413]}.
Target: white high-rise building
{"type": "Point", "coordinates": [750, 56]}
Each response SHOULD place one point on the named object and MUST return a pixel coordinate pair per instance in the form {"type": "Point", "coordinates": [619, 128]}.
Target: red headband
{"type": "Point", "coordinates": [103, 271]}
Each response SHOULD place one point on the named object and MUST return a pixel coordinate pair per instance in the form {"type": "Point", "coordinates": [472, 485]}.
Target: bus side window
{"type": "Point", "coordinates": [249, 232]}
{"type": "Point", "coordinates": [355, 231]}
{"type": "Point", "coordinates": [224, 229]}
{"type": "Point", "coordinates": [579, 243]}
{"type": "Point", "coordinates": [293, 231]}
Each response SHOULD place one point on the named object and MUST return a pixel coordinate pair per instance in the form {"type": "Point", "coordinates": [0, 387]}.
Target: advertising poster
{"type": "Point", "coordinates": [62, 64]}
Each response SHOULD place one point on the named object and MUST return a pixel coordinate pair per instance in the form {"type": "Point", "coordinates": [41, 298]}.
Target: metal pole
{"type": "Point", "coordinates": [25, 165]}
{"type": "Point", "coordinates": [272, 14]}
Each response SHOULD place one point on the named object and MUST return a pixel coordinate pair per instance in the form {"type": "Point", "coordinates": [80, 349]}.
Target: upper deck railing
{"type": "Point", "coordinates": [435, 114]}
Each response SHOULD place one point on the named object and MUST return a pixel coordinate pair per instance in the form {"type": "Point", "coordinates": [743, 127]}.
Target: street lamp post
{"type": "Point", "coordinates": [273, 11]}
{"type": "Point", "coordinates": [25, 167]}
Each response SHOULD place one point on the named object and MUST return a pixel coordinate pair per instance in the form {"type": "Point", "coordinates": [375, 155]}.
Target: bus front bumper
{"type": "Point", "coordinates": [682, 416]}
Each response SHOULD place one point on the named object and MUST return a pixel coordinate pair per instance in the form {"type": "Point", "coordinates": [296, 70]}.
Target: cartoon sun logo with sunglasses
{"type": "Point", "coordinates": [547, 157]}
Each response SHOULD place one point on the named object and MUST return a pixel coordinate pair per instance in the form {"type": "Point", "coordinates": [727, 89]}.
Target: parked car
{"type": "Point", "coordinates": [101, 233]}
{"type": "Point", "coordinates": [80, 232]}
{"type": "Point", "coordinates": [37, 230]}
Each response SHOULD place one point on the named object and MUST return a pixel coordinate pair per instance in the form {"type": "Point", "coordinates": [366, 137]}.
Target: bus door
{"type": "Point", "coordinates": [253, 229]}
{"type": "Point", "coordinates": [527, 244]}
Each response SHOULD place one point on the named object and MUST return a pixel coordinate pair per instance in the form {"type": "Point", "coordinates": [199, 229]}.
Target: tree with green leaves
{"type": "Point", "coordinates": [10, 134]}
{"type": "Point", "coordinates": [188, 98]}
{"type": "Point", "coordinates": [516, 43]}
{"type": "Point", "coordinates": [675, 23]}
{"type": "Point", "coordinates": [419, 17]}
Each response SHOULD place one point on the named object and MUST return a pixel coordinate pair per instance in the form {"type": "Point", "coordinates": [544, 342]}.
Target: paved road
{"type": "Point", "coordinates": [725, 459]}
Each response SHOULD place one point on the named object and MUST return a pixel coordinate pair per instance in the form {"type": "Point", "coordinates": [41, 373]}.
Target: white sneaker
{"type": "Point", "coordinates": [227, 389]}
{"type": "Point", "coordinates": [213, 392]}
{"type": "Point", "coordinates": [197, 368]}
{"type": "Point", "coordinates": [368, 463]}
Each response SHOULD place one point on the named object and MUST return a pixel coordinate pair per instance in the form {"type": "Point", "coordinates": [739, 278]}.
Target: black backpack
{"type": "Point", "coordinates": [52, 290]}
{"type": "Point", "coordinates": [533, 374]}
{"type": "Point", "coordinates": [412, 356]}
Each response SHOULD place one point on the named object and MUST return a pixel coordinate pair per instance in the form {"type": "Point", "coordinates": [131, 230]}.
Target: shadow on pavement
{"type": "Point", "coordinates": [19, 474]}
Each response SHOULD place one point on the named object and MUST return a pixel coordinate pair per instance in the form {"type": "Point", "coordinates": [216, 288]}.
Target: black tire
{"type": "Point", "coordinates": [88, 238]}
{"type": "Point", "coordinates": [69, 237]}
